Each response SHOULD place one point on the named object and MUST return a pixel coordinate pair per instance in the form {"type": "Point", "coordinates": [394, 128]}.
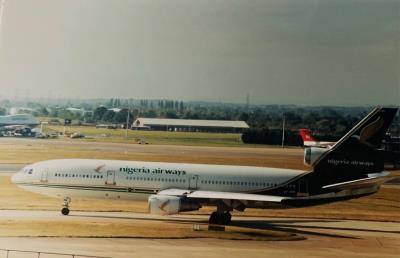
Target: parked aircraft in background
{"type": "Point", "coordinates": [350, 168]}
{"type": "Point", "coordinates": [310, 141]}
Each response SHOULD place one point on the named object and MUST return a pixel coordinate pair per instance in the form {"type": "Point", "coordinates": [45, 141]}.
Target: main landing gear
{"type": "Point", "coordinates": [220, 218]}
{"type": "Point", "coordinates": [65, 210]}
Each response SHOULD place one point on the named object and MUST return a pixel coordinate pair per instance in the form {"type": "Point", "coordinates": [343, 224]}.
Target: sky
{"type": "Point", "coordinates": [308, 52]}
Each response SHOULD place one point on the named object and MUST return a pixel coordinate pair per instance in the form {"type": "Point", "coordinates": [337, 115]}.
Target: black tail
{"type": "Point", "coordinates": [355, 155]}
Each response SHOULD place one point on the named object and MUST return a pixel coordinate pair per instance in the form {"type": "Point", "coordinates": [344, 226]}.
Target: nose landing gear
{"type": "Point", "coordinates": [65, 210]}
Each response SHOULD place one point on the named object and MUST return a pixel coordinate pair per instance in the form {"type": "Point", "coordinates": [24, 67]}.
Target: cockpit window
{"type": "Point", "coordinates": [28, 170]}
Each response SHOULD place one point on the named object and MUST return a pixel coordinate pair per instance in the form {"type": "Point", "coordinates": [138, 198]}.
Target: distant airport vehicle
{"type": "Point", "coordinates": [54, 121]}
{"type": "Point", "coordinates": [41, 135]}
{"type": "Point", "coordinates": [24, 132]}
{"type": "Point", "coordinates": [310, 141]}
{"type": "Point", "coordinates": [108, 126]}
{"type": "Point", "coordinates": [16, 130]}
{"type": "Point", "coordinates": [351, 168]}
{"type": "Point", "coordinates": [77, 135]}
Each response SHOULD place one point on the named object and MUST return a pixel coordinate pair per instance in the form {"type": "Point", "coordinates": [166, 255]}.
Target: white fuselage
{"type": "Point", "coordinates": [86, 178]}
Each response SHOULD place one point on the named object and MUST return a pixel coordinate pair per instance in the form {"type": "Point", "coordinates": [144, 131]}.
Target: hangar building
{"type": "Point", "coordinates": [19, 119]}
{"type": "Point", "coordinates": [189, 125]}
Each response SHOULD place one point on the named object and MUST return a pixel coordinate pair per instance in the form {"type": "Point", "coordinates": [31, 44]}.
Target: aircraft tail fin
{"type": "Point", "coordinates": [306, 135]}
{"type": "Point", "coordinates": [356, 154]}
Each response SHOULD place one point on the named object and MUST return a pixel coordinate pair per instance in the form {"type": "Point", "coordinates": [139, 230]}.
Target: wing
{"type": "Point", "coordinates": [215, 195]}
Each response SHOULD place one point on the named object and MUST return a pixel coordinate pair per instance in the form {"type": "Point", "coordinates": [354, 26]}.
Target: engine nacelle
{"type": "Point", "coordinates": [165, 204]}
{"type": "Point", "coordinates": [311, 154]}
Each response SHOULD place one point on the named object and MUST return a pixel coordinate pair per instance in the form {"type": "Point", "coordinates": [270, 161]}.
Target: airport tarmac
{"type": "Point", "coordinates": [322, 237]}
{"type": "Point", "coordinates": [10, 168]}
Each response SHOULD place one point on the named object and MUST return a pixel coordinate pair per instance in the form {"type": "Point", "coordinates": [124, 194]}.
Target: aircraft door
{"type": "Point", "coordinates": [193, 182]}
{"type": "Point", "coordinates": [44, 176]}
{"type": "Point", "coordinates": [302, 188]}
{"type": "Point", "coordinates": [110, 177]}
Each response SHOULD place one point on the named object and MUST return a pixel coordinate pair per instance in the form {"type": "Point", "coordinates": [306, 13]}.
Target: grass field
{"type": "Point", "coordinates": [14, 150]}
{"type": "Point", "coordinates": [153, 137]}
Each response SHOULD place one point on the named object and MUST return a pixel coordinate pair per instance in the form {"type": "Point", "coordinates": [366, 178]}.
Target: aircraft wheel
{"type": "Point", "coordinates": [226, 218]}
{"type": "Point", "coordinates": [220, 218]}
{"type": "Point", "coordinates": [65, 211]}
{"type": "Point", "coordinates": [213, 218]}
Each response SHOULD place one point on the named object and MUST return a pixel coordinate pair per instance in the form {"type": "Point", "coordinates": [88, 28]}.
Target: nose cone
{"type": "Point", "coordinates": [19, 176]}
{"type": "Point", "coordinates": [16, 178]}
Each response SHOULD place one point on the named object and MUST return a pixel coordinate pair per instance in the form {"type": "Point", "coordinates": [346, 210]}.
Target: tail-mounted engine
{"type": "Point", "coordinates": [165, 205]}
{"type": "Point", "coordinates": [311, 154]}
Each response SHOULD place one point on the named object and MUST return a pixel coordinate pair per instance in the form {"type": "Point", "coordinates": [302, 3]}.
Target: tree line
{"type": "Point", "coordinates": [265, 121]}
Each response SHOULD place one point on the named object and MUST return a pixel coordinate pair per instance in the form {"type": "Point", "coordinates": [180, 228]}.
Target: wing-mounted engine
{"type": "Point", "coordinates": [311, 154]}
{"type": "Point", "coordinates": [166, 205]}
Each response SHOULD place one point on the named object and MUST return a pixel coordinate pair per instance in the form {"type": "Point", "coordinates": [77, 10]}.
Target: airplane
{"type": "Point", "coordinates": [310, 141]}
{"type": "Point", "coordinates": [351, 168]}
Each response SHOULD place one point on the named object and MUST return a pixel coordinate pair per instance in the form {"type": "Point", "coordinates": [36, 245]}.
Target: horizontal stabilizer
{"type": "Point", "coordinates": [360, 183]}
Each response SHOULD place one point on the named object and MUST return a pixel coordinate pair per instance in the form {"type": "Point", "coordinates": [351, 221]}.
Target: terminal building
{"type": "Point", "coordinates": [19, 119]}
{"type": "Point", "coordinates": [189, 125]}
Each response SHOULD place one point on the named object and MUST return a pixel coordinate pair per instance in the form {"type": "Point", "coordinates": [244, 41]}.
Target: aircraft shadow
{"type": "Point", "coordinates": [287, 226]}
{"type": "Point", "coordinates": [290, 226]}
